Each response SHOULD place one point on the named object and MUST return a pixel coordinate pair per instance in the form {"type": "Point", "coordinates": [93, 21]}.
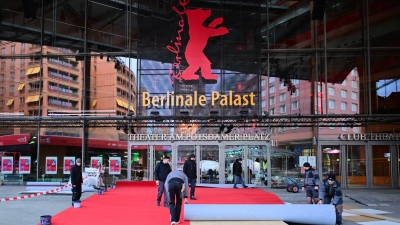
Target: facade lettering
{"type": "Point", "coordinates": [199, 137]}
{"type": "Point", "coordinates": [369, 137]}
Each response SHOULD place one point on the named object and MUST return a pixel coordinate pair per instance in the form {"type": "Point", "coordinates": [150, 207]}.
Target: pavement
{"type": "Point", "coordinates": [28, 211]}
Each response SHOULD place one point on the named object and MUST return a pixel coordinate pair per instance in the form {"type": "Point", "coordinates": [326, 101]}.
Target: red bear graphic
{"type": "Point", "coordinates": [198, 38]}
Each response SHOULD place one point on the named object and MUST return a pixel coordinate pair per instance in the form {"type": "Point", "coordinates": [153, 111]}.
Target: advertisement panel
{"type": "Point", "coordinates": [96, 162]}
{"type": "Point", "coordinates": [69, 162]}
{"type": "Point", "coordinates": [7, 164]}
{"type": "Point", "coordinates": [51, 165]}
{"type": "Point", "coordinates": [25, 165]}
{"type": "Point", "coordinates": [115, 165]}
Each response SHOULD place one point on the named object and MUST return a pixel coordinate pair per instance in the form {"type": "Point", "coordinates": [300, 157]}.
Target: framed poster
{"type": "Point", "coordinates": [69, 162]}
{"type": "Point", "coordinates": [96, 162]}
{"type": "Point", "coordinates": [7, 164]}
{"type": "Point", "coordinates": [313, 161]}
{"type": "Point", "coordinates": [115, 165]}
{"type": "Point", "coordinates": [25, 165]}
{"type": "Point", "coordinates": [51, 165]}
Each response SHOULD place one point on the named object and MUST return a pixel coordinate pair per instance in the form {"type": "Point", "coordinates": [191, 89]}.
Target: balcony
{"type": "Point", "coordinates": [62, 63]}
{"type": "Point", "coordinates": [62, 77]}
{"type": "Point", "coordinates": [62, 106]}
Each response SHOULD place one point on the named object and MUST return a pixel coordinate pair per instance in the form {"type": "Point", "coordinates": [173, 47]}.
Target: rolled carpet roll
{"type": "Point", "coordinates": [293, 213]}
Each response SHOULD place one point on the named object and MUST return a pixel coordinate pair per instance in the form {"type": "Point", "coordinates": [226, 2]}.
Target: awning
{"type": "Point", "coordinates": [28, 99]}
{"type": "Point", "coordinates": [124, 104]}
{"type": "Point", "coordinates": [20, 87]}
{"type": "Point", "coordinates": [34, 98]}
{"type": "Point", "coordinates": [10, 101]}
{"type": "Point", "coordinates": [94, 103]}
{"type": "Point", "coordinates": [33, 70]}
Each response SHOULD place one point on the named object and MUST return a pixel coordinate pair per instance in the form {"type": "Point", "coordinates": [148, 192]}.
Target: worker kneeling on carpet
{"type": "Point", "coordinates": [330, 189]}
{"type": "Point", "coordinates": [177, 187]}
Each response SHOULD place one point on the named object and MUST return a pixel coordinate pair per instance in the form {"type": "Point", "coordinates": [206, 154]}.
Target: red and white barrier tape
{"type": "Point", "coordinates": [36, 194]}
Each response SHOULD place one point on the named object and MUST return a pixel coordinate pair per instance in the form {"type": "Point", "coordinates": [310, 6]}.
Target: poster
{"type": "Point", "coordinates": [25, 165]}
{"type": "Point", "coordinates": [51, 165]}
{"type": "Point", "coordinates": [96, 162]}
{"type": "Point", "coordinates": [7, 164]}
{"type": "Point", "coordinates": [115, 165]}
{"type": "Point", "coordinates": [69, 162]}
{"type": "Point", "coordinates": [313, 161]}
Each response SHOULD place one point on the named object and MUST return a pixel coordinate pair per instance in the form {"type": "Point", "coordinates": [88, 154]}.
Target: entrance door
{"type": "Point", "coordinates": [381, 166]}
{"type": "Point", "coordinates": [356, 169]}
{"type": "Point", "coordinates": [231, 154]}
{"type": "Point", "coordinates": [209, 164]}
{"type": "Point", "coordinates": [331, 161]}
{"type": "Point", "coordinates": [157, 155]}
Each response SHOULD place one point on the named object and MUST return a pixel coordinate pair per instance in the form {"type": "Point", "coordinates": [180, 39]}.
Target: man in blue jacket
{"type": "Point", "coordinates": [331, 189]}
{"type": "Point", "coordinates": [311, 183]}
{"type": "Point", "coordinates": [160, 174]}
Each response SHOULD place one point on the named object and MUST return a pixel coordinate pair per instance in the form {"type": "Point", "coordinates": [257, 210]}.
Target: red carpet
{"type": "Point", "coordinates": [135, 203]}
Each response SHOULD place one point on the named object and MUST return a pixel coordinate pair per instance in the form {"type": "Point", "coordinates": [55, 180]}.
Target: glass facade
{"type": "Point", "coordinates": [194, 57]}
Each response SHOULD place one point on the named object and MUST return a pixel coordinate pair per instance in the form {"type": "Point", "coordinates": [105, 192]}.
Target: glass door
{"type": "Point", "coordinates": [231, 154]}
{"type": "Point", "coordinates": [159, 151]}
{"type": "Point", "coordinates": [331, 161]}
{"type": "Point", "coordinates": [184, 151]}
{"type": "Point", "coordinates": [398, 164]}
{"type": "Point", "coordinates": [381, 166]}
{"type": "Point", "coordinates": [209, 164]}
{"type": "Point", "coordinates": [356, 169]}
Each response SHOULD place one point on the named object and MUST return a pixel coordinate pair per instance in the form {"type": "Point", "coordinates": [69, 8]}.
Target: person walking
{"type": "Point", "coordinates": [177, 186]}
{"type": "Point", "coordinates": [189, 168]}
{"type": "Point", "coordinates": [311, 183]}
{"type": "Point", "coordinates": [237, 168]}
{"type": "Point", "coordinates": [330, 191]}
{"type": "Point", "coordinates": [160, 173]}
{"type": "Point", "coordinates": [76, 181]}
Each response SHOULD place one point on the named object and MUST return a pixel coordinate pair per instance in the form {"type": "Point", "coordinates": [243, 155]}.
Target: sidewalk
{"type": "Point", "coordinates": [355, 212]}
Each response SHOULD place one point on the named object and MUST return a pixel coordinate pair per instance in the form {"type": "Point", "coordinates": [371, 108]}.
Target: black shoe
{"type": "Point", "coordinates": [193, 198]}
{"type": "Point", "coordinates": [339, 223]}
{"type": "Point", "coordinates": [158, 203]}
{"type": "Point", "coordinates": [235, 187]}
{"type": "Point", "coordinates": [245, 186]}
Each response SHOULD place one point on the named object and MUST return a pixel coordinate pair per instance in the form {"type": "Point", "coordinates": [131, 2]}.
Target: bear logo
{"type": "Point", "coordinates": [198, 38]}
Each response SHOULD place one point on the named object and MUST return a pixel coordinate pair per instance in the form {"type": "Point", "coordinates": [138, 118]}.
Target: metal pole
{"type": "Point", "coordinates": [85, 58]}
{"type": "Point", "coordinates": [40, 89]}
{"type": "Point", "coordinates": [326, 69]}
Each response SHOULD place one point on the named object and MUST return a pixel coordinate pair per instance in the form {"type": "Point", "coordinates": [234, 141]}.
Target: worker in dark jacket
{"type": "Point", "coordinates": [76, 180]}
{"type": "Point", "coordinates": [189, 169]}
{"type": "Point", "coordinates": [311, 183]}
{"type": "Point", "coordinates": [160, 173]}
{"type": "Point", "coordinates": [330, 189]}
{"type": "Point", "coordinates": [237, 168]}
{"type": "Point", "coordinates": [177, 186]}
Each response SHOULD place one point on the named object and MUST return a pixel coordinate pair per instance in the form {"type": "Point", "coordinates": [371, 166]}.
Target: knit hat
{"type": "Point", "coordinates": [306, 164]}
{"type": "Point", "coordinates": [78, 160]}
{"type": "Point", "coordinates": [331, 177]}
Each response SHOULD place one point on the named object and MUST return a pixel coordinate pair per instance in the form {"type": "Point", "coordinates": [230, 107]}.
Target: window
{"type": "Point", "coordinates": [23, 47]}
{"type": "Point", "coordinates": [332, 126]}
{"type": "Point", "coordinates": [344, 106]}
{"type": "Point", "coordinates": [296, 93]}
{"type": "Point", "coordinates": [354, 95]}
{"type": "Point", "coordinates": [344, 128]}
{"type": "Point", "coordinates": [281, 129]}
{"type": "Point", "coordinates": [282, 108]}
{"type": "Point", "coordinates": [271, 100]}
{"type": "Point", "coordinates": [21, 100]}
{"type": "Point", "coordinates": [271, 79]}
{"type": "Point", "coordinates": [295, 105]}
{"type": "Point", "coordinates": [271, 89]}
{"type": "Point", "coordinates": [22, 62]}
{"type": "Point", "coordinates": [263, 103]}
{"type": "Point", "coordinates": [271, 112]}
{"type": "Point", "coordinates": [3, 65]}
{"type": "Point", "coordinates": [331, 91]}
{"type": "Point", "coordinates": [22, 74]}
{"type": "Point", "coordinates": [1, 77]}
{"type": "Point", "coordinates": [331, 104]}
{"type": "Point", "coordinates": [3, 51]}
{"type": "Point", "coordinates": [1, 103]}
{"type": "Point", "coordinates": [344, 83]}
{"type": "Point", "coordinates": [344, 94]}
{"type": "Point", "coordinates": [354, 84]}
{"type": "Point", "coordinates": [262, 93]}
{"type": "Point", "coordinates": [263, 82]}
{"type": "Point", "coordinates": [319, 88]}
{"type": "Point", "coordinates": [282, 97]}
{"type": "Point", "coordinates": [295, 126]}
{"type": "Point", "coordinates": [12, 76]}
{"type": "Point", "coordinates": [295, 81]}
{"type": "Point", "coordinates": [282, 86]}
{"type": "Point", "coordinates": [356, 129]}
{"type": "Point", "coordinates": [1, 90]}
{"type": "Point", "coordinates": [12, 65]}
{"type": "Point", "coordinates": [12, 89]}
{"type": "Point", "coordinates": [354, 107]}
{"type": "Point", "coordinates": [12, 49]}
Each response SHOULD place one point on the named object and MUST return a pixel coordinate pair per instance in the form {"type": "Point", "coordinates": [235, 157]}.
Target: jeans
{"type": "Point", "coordinates": [239, 178]}
{"type": "Point", "coordinates": [161, 190]}
{"type": "Point", "coordinates": [76, 192]}
{"type": "Point", "coordinates": [192, 182]}
{"type": "Point", "coordinates": [175, 205]}
{"type": "Point", "coordinates": [338, 209]}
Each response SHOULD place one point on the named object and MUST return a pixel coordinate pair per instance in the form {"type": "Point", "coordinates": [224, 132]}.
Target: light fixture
{"type": "Point", "coordinates": [154, 113]}
{"type": "Point", "coordinates": [126, 130]}
{"type": "Point", "coordinates": [214, 113]}
{"type": "Point", "coordinates": [221, 129]}
{"type": "Point", "coordinates": [229, 129]}
{"type": "Point", "coordinates": [184, 113]}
